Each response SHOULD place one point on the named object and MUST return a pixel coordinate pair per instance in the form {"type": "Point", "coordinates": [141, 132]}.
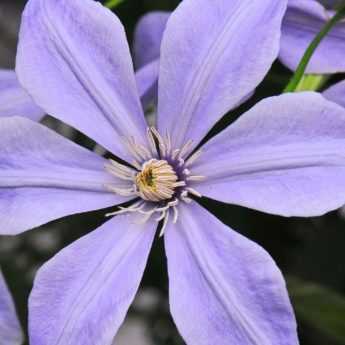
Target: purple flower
{"type": "Point", "coordinates": [147, 42]}
{"type": "Point", "coordinates": [14, 101]}
{"type": "Point", "coordinates": [10, 330]}
{"type": "Point", "coordinates": [336, 93]}
{"type": "Point", "coordinates": [302, 22]}
{"type": "Point", "coordinates": [284, 156]}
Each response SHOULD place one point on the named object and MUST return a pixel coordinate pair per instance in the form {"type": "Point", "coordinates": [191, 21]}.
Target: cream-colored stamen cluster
{"type": "Point", "coordinates": [157, 181]}
{"type": "Point", "coordinates": [154, 178]}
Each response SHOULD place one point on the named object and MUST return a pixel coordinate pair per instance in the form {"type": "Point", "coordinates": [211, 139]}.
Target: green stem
{"type": "Point", "coordinates": [291, 87]}
{"type": "Point", "coordinates": [312, 82]}
{"type": "Point", "coordinates": [112, 3]}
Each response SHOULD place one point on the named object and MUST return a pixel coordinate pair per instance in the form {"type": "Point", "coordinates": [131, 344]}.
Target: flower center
{"type": "Point", "coordinates": [156, 181]}
{"type": "Point", "coordinates": [161, 177]}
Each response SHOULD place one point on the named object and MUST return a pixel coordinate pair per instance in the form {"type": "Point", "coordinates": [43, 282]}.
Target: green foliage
{"type": "Point", "coordinates": [112, 3]}
{"type": "Point", "coordinates": [320, 307]}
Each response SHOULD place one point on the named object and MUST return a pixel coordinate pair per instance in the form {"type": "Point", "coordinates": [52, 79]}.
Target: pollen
{"type": "Point", "coordinates": [157, 181]}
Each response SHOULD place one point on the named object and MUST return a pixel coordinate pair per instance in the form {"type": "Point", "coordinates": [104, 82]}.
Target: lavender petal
{"type": "Point", "coordinates": [302, 22]}
{"type": "Point", "coordinates": [336, 93]}
{"type": "Point", "coordinates": [214, 53]}
{"type": "Point", "coordinates": [10, 330]}
{"type": "Point", "coordinates": [147, 81]}
{"type": "Point", "coordinates": [147, 43]}
{"type": "Point", "coordinates": [224, 289]}
{"type": "Point", "coordinates": [14, 101]}
{"type": "Point", "coordinates": [74, 60]}
{"type": "Point", "coordinates": [44, 176]}
{"type": "Point", "coordinates": [285, 156]}
{"type": "Point", "coordinates": [82, 295]}
{"type": "Point", "coordinates": [148, 37]}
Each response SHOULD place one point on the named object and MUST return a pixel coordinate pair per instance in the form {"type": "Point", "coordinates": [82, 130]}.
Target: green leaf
{"type": "Point", "coordinates": [113, 3]}
{"type": "Point", "coordinates": [293, 84]}
{"type": "Point", "coordinates": [320, 307]}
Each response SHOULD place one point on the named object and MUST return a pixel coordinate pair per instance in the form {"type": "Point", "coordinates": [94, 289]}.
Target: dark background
{"type": "Point", "coordinates": [310, 252]}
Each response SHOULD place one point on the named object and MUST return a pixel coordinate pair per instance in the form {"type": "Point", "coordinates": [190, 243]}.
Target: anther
{"type": "Point", "coordinates": [157, 181]}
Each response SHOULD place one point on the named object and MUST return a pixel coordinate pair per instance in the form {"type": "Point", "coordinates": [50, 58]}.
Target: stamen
{"type": "Point", "coordinates": [130, 143]}
{"type": "Point", "coordinates": [175, 154]}
{"type": "Point", "coordinates": [185, 148]}
{"type": "Point", "coordinates": [160, 176]}
{"type": "Point", "coordinates": [151, 141]}
{"type": "Point", "coordinates": [120, 170]}
{"type": "Point", "coordinates": [175, 214]}
{"type": "Point", "coordinates": [193, 158]}
{"type": "Point", "coordinates": [133, 208]}
{"type": "Point", "coordinates": [121, 190]}
{"type": "Point", "coordinates": [154, 210]}
{"type": "Point", "coordinates": [143, 152]}
{"type": "Point", "coordinates": [139, 151]}
{"type": "Point", "coordinates": [162, 216]}
{"type": "Point", "coordinates": [173, 203]}
{"type": "Point", "coordinates": [136, 165]}
{"type": "Point", "coordinates": [156, 181]}
{"type": "Point", "coordinates": [195, 178]}
{"type": "Point", "coordinates": [145, 218]}
{"type": "Point", "coordinates": [165, 223]}
{"type": "Point", "coordinates": [193, 192]}
{"type": "Point", "coordinates": [180, 184]}
{"type": "Point", "coordinates": [160, 140]}
{"type": "Point", "coordinates": [185, 198]}
{"type": "Point", "coordinates": [168, 142]}
{"type": "Point", "coordinates": [181, 162]}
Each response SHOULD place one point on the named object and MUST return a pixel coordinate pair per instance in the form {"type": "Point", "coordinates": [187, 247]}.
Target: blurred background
{"type": "Point", "coordinates": [310, 252]}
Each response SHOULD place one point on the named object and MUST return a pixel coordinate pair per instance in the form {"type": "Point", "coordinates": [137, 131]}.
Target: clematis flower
{"type": "Point", "coordinates": [284, 156]}
{"type": "Point", "coordinates": [302, 22]}
{"type": "Point", "coordinates": [10, 330]}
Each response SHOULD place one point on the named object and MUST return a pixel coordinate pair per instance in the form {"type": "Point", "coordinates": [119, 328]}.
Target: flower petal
{"type": "Point", "coordinates": [10, 330]}
{"type": "Point", "coordinates": [44, 176]}
{"type": "Point", "coordinates": [148, 37]}
{"type": "Point", "coordinates": [302, 22]}
{"type": "Point", "coordinates": [214, 53]}
{"type": "Point", "coordinates": [285, 156]}
{"type": "Point", "coordinates": [74, 60]}
{"type": "Point", "coordinates": [147, 43]}
{"type": "Point", "coordinates": [14, 101]}
{"type": "Point", "coordinates": [336, 93]}
{"type": "Point", "coordinates": [82, 295]}
{"type": "Point", "coordinates": [147, 81]}
{"type": "Point", "coordinates": [224, 289]}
